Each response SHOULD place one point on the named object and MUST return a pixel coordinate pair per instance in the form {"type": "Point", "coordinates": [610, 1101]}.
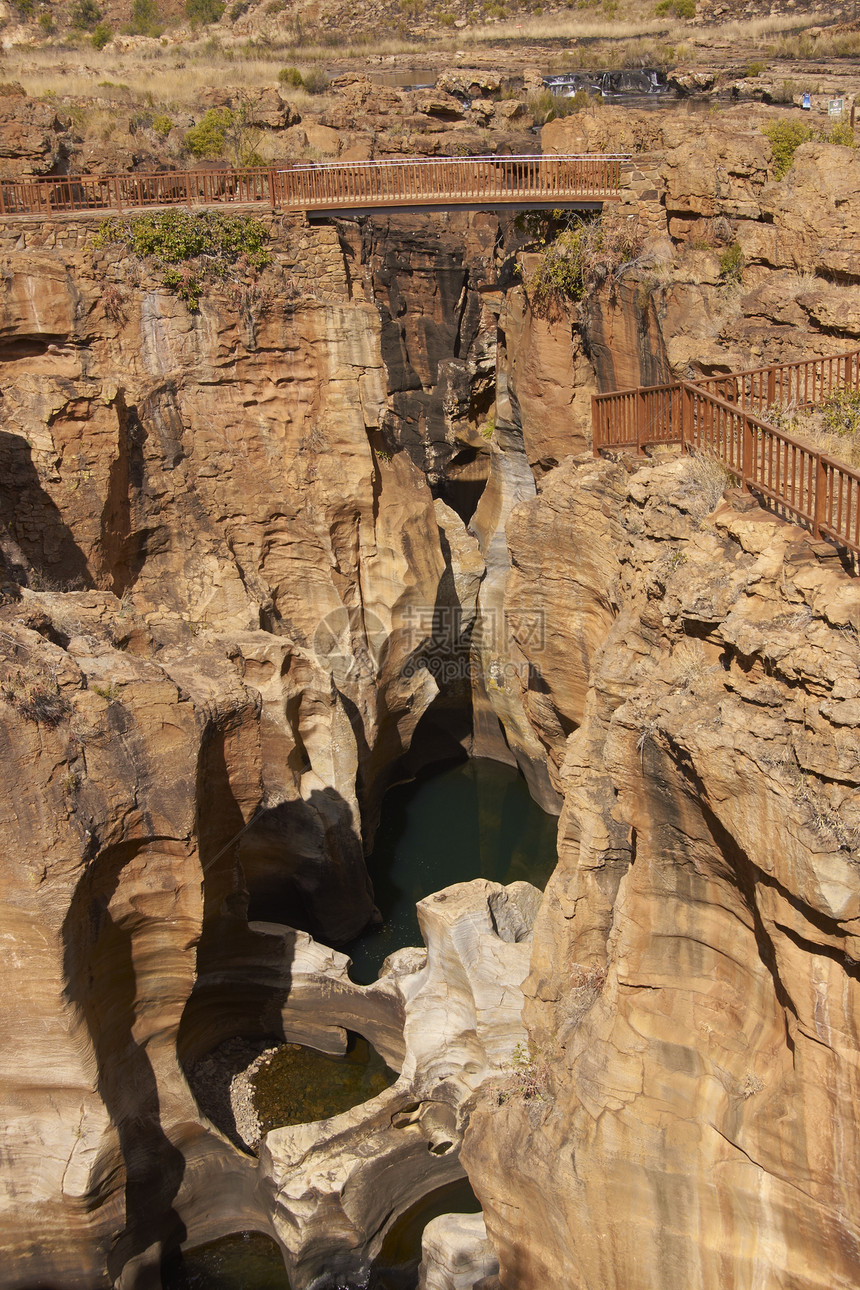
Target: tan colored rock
{"type": "Point", "coordinates": [833, 308]}
{"type": "Point", "coordinates": [716, 172]}
{"type": "Point", "coordinates": [445, 106]}
{"type": "Point", "coordinates": [544, 382]}
{"type": "Point", "coordinates": [814, 212]}
{"type": "Point", "coordinates": [322, 139]}
{"type": "Point", "coordinates": [693, 1001]}
{"type": "Point", "coordinates": [455, 1253]}
{"type": "Point", "coordinates": [335, 1186]}
{"type": "Point", "coordinates": [33, 138]}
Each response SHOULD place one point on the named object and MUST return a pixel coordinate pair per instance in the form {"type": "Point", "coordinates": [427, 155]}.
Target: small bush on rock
{"type": "Point", "coordinates": [785, 138]}
{"type": "Point", "coordinates": [145, 19]}
{"type": "Point", "coordinates": [209, 136]}
{"type": "Point", "coordinates": [102, 36]}
{"type": "Point", "coordinates": [315, 81]}
{"type": "Point", "coordinates": [201, 13]}
{"type": "Point", "coordinates": [676, 8]}
{"type": "Point", "coordinates": [581, 257]}
{"type": "Point", "coordinates": [843, 135]}
{"type": "Point", "coordinates": [732, 263]}
{"type": "Point", "coordinates": [192, 247]}
{"type": "Point", "coordinates": [85, 15]}
{"type": "Point", "coordinates": [290, 76]}
{"type": "Point", "coordinates": [841, 412]}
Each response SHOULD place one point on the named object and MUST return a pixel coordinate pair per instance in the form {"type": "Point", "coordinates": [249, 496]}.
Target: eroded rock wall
{"type": "Point", "coordinates": [205, 692]}
{"type": "Point", "coordinates": [693, 1002]}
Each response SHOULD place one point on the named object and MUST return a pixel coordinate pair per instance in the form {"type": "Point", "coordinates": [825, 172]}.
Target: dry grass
{"type": "Point", "coordinates": [571, 26]}
{"type": "Point", "coordinates": [755, 29]}
{"type": "Point", "coordinates": [168, 81]}
{"type": "Point", "coordinates": [800, 46]}
{"type": "Point", "coordinates": [689, 664]}
{"type": "Point", "coordinates": [810, 426]}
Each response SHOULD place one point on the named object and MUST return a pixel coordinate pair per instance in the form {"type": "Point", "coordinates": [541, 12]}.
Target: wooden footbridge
{"type": "Point", "coordinates": [332, 187]}
{"type": "Point", "coordinates": [731, 418]}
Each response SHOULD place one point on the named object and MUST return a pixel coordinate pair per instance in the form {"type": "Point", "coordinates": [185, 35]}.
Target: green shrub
{"type": "Point", "coordinates": [581, 257]}
{"type": "Point", "coordinates": [85, 15]}
{"type": "Point", "coordinates": [677, 8]}
{"type": "Point", "coordinates": [755, 69]}
{"type": "Point", "coordinates": [732, 263]}
{"type": "Point", "coordinates": [315, 81]}
{"type": "Point", "coordinates": [162, 124]}
{"type": "Point", "coordinates": [202, 13]}
{"type": "Point", "coordinates": [209, 136]}
{"type": "Point", "coordinates": [237, 10]}
{"type": "Point", "coordinates": [145, 19]}
{"type": "Point", "coordinates": [191, 247]}
{"type": "Point", "coordinates": [843, 135]}
{"type": "Point", "coordinates": [841, 412]}
{"type": "Point", "coordinates": [290, 76]}
{"type": "Point", "coordinates": [785, 138]}
{"type": "Point", "coordinates": [547, 106]}
{"type": "Point", "coordinates": [102, 35]}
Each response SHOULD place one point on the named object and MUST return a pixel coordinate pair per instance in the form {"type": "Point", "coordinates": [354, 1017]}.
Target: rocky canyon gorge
{"type": "Point", "coordinates": [266, 558]}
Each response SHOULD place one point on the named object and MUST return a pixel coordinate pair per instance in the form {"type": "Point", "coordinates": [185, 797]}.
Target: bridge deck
{"type": "Point", "coordinates": [580, 180]}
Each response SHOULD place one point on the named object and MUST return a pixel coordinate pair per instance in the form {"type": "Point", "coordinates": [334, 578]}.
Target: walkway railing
{"type": "Point", "coordinates": [813, 487]}
{"type": "Point", "coordinates": [356, 185]}
{"type": "Point", "coordinates": [787, 385]}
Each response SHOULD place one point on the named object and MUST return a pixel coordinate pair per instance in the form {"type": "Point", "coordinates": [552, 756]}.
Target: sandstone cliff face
{"type": "Point", "coordinates": [252, 552]}
{"type": "Point", "coordinates": [693, 998]}
{"type": "Point", "coordinates": [204, 729]}
{"type": "Point", "coordinates": [703, 186]}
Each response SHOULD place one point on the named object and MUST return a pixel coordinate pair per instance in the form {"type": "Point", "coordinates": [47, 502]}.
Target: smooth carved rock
{"type": "Point", "coordinates": [693, 988]}
{"type": "Point", "coordinates": [336, 1186]}
{"type": "Point", "coordinates": [455, 1253]}
{"type": "Point", "coordinates": [545, 380]}
{"type": "Point", "coordinates": [216, 470]}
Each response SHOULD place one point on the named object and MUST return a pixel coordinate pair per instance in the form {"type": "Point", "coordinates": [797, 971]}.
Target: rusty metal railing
{"type": "Point", "coordinates": [799, 384]}
{"type": "Point", "coordinates": [813, 487]}
{"type": "Point", "coordinates": [355, 185]}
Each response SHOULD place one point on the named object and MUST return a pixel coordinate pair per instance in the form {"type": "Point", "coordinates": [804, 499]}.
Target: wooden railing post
{"type": "Point", "coordinates": [641, 422]}
{"type": "Point", "coordinates": [771, 387]}
{"type": "Point", "coordinates": [686, 416]}
{"type": "Point", "coordinates": [595, 426]}
{"type": "Point", "coordinates": [746, 454]}
{"type": "Point", "coordinates": [820, 507]}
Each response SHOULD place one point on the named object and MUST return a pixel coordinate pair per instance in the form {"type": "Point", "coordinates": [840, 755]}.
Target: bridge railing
{"type": "Point", "coordinates": [798, 384]}
{"type": "Point", "coordinates": [812, 487]}
{"type": "Point", "coordinates": [420, 181]}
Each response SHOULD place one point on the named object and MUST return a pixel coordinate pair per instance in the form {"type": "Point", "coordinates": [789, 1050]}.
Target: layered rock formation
{"type": "Point", "coordinates": [227, 536]}
{"type": "Point", "coordinates": [693, 996]}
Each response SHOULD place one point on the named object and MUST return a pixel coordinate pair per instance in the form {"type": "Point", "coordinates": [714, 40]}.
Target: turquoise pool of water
{"type": "Point", "coordinates": [472, 820]}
